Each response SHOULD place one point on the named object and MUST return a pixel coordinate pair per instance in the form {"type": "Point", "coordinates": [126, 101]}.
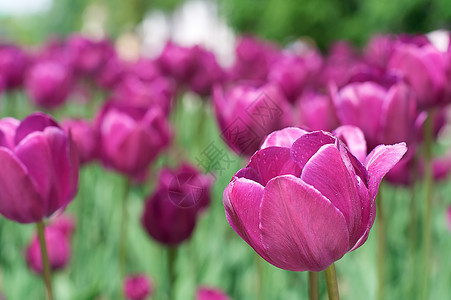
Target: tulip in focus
{"type": "Point", "coordinates": [171, 212]}
{"type": "Point", "coordinates": [304, 200]}
{"type": "Point", "coordinates": [39, 173]}
{"type": "Point", "coordinates": [57, 236]}
{"type": "Point", "coordinates": [137, 287]}
{"type": "Point", "coordinates": [207, 293]}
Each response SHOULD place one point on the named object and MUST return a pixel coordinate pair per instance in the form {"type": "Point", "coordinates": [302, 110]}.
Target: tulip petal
{"type": "Point", "coordinates": [300, 229]}
{"type": "Point", "coordinates": [8, 128]}
{"type": "Point", "coordinates": [19, 200]}
{"type": "Point", "coordinates": [380, 161]}
{"type": "Point", "coordinates": [336, 181]}
{"type": "Point", "coordinates": [35, 122]}
{"type": "Point", "coordinates": [273, 161]}
{"type": "Point", "coordinates": [354, 138]}
{"type": "Point", "coordinates": [242, 198]}
{"type": "Point", "coordinates": [283, 138]}
{"type": "Point", "coordinates": [308, 144]}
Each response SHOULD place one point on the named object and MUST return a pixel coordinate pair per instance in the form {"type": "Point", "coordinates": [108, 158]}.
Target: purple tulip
{"type": "Point", "coordinates": [379, 50]}
{"type": "Point", "coordinates": [253, 59]}
{"type": "Point", "coordinates": [111, 74]}
{"type": "Point", "coordinates": [246, 115]}
{"type": "Point", "coordinates": [207, 293]}
{"type": "Point", "coordinates": [137, 287]}
{"type": "Point", "coordinates": [13, 64]}
{"type": "Point", "coordinates": [385, 116]}
{"type": "Point", "coordinates": [171, 211]}
{"type": "Point", "coordinates": [85, 137]}
{"type": "Point", "coordinates": [39, 173]}
{"type": "Point", "coordinates": [131, 137]}
{"type": "Point", "coordinates": [57, 237]}
{"type": "Point", "coordinates": [305, 206]}
{"type": "Point", "coordinates": [424, 68]}
{"type": "Point", "coordinates": [316, 112]}
{"type": "Point", "coordinates": [48, 83]}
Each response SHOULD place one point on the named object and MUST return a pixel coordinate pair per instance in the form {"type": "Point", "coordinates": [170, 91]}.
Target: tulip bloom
{"type": "Point", "coordinates": [171, 212]}
{"type": "Point", "coordinates": [49, 83]}
{"type": "Point", "coordinates": [137, 287]}
{"type": "Point", "coordinates": [85, 137]}
{"type": "Point", "coordinates": [246, 115]}
{"type": "Point", "coordinates": [316, 112]}
{"type": "Point", "coordinates": [131, 137]}
{"type": "Point", "coordinates": [13, 64]}
{"type": "Point", "coordinates": [39, 173]}
{"type": "Point", "coordinates": [303, 205]}
{"type": "Point", "coordinates": [206, 293]}
{"type": "Point", "coordinates": [57, 237]}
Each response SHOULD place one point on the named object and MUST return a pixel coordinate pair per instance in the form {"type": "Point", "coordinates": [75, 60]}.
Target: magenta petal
{"type": "Point", "coordinates": [283, 138]}
{"type": "Point", "coordinates": [35, 122]}
{"type": "Point", "coordinates": [242, 198]}
{"type": "Point", "coordinates": [15, 184]}
{"type": "Point", "coordinates": [308, 144]}
{"type": "Point", "coordinates": [327, 172]}
{"type": "Point", "coordinates": [300, 229]}
{"type": "Point", "coordinates": [8, 131]}
{"type": "Point", "coordinates": [380, 161]}
{"type": "Point", "coordinates": [273, 161]}
{"type": "Point", "coordinates": [354, 139]}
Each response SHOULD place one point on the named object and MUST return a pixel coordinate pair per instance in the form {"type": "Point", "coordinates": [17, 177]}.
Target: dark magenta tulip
{"type": "Point", "coordinates": [424, 68]}
{"type": "Point", "coordinates": [208, 293]}
{"type": "Point", "coordinates": [137, 287]}
{"type": "Point", "coordinates": [131, 137]}
{"type": "Point", "coordinates": [386, 116]}
{"type": "Point", "coordinates": [247, 114]}
{"type": "Point", "coordinates": [13, 65]}
{"type": "Point", "coordinates": [57, 236]}
{"type": "Point", "coordinates": [304, 206]}
{"type": "Point", "coordinates": [39, 173]}
{"type": "Point", "coordinates": [171, 211]}
{"type": "Point", "coordinates": [85, 137]}
{"type": "Point", "coordinates": [49, 83]}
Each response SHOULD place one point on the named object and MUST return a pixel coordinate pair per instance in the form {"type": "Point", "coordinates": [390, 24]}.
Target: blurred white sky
{"type": "Point", "coordinates": [24, 7]}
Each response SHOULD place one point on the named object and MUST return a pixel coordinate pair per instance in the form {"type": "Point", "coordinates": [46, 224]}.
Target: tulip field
{"type": "Point", "coordinates": [288, 173]}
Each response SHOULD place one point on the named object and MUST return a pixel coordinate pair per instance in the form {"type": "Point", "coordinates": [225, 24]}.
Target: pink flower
{"type": "Point", "coordinates": [304, 205]}
{"type": "Point", "coordinates": [137, 287]}
{"type": "Point", "coordinates": [85, 137]}
{"type": "Point", "coordinates": [39, 173]}
{"type": "Point", "coordinates": [208, 293]}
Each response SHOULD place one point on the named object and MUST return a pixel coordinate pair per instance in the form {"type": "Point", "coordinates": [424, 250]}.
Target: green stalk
{"type": "Point", "coordinates": [45, 259]}
{"type": "Point", "coordinates": [428, 186]}
{"type": "Point", "coordinates": [259, 278]}
{"type": "Point", "coordinates": [313, 285]}
{"type": "Point", "coordinates": [123, 230]}
{"type": "Point", "coordinates": [331, 280]}
{"type": "Point", "coordinates": [172, 256]}
{"type": "Point", "coordinates": [413, 234]}
{"type": "Point", "coordinates": [381, 247]}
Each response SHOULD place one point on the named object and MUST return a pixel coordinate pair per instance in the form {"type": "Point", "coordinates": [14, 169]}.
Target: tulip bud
{"type": "Point", "coordinates": [137, 287]}
{"type": "Point", "coordinates": [304, 206]}
{"type": "Point", "coordinates": [39, 173]}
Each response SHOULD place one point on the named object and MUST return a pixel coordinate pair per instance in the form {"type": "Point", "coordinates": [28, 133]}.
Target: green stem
{"type": "Point", "coordinates": [381, 246]}
{"type": "Point", "coordinates": [259, 277]}
{"type": "Point", "coordinates": [123, 230]}
{"type": "Point", "coordinates": [172, 256]}
{"type": "Point", "coordinates": [413, 234]}
{"type": "Point", "coordinates": [428, 186]}
{"type": "Point", "coordinates": [331, 280]}
{"type": "Point", "coordinates": [45, 259]}
{"type": "Point", "coordinates": [313, 285]}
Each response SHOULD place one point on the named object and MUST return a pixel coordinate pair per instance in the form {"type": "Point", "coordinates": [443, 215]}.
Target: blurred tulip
{"type": "Point", "coordinates": [131, 137]}
{"type": "Point", "coordinates": [48, 83]}
{"type": "Point", "coordinates": [448, 217]}
{"type": "Point", "coordinates": [137, 287]}
{"type": "Point", "coordinates": [207, 293]}
{"type": "Point", "coordinates": [424, 68]}
{"type": "Point", "coordinates": [316, 112]}
{"type": "Point", "coordinates": [246, 115]}
{"type": "Point", "coordinates": [253, 59]}
{"type": "Point", "coordinates": [57, 236]}
{"type": "Point", "coordinates": [13, 64]}
{"type": "Point", "coordinates": [379, 49]}
{"type": "Point", "coordinates": [288, 197]}
{"type": "Point", "coordinates": [111, 73]}
{"type": "Point", "coordinates": [170, 212]}
{"type": "Point", "coordinates": [385, 116]}
{"type": "Point", "coordinates": [39, 173]}
{"type": "Point", "coordinates": [85, 137]}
